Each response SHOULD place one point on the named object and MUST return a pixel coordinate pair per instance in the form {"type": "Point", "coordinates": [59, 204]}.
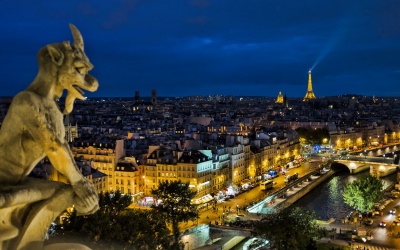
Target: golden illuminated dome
{"type": "Point", "coordinates": [279, 99]}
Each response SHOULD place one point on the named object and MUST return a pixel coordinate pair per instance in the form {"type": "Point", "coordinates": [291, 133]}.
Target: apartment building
{"type": "Point", "coordinates": [166, 164]}
{"type": "Point", "coordinates": [127, 176]}
{"type": "Point", "coordinates": [237, 166]}
{"type": "Point", "coordinates": [220, 168]}
{"type": "Point", "coordinates": [101, 156]}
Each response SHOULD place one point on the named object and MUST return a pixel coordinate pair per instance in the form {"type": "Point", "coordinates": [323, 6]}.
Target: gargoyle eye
{"type": "Point", "coordinates": [77, 53]}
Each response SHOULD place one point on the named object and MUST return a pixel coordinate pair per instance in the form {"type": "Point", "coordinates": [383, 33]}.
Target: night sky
{"type": "Point", "coordinates": [210, 47]}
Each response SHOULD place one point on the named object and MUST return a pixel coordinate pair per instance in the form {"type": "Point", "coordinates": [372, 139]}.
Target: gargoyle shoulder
{"type": "Point", "coordinates": [27, 100]}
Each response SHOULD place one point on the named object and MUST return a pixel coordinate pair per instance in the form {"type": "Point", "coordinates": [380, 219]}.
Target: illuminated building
{"type": "Point", "coordinates": [310, 94]}
{"type": "Point", "coordinates": [279, 99]}
{"type": "Point", "coordinates": [167, 164]}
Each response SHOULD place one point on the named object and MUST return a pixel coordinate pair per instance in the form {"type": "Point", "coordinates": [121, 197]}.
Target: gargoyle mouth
{"type": "Point", "coordinates": [89, 84]}
{"type": "Point", "coordinates": [77, 92]}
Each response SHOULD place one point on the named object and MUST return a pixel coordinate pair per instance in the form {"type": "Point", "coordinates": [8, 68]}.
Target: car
{"type": "Point", "coordinates": [395, 192]}
{"type": "Point", "coordinates": [267, 176]}
{"type": "Point", "coordinates": [375, 212]}
{"type": "Point", "coordinates": [369, 222]}
{"type": "Point", "coordinates": [396, 222]}
{"type": "Point", "coordinates": [382, 223]}
{"type": "Point", "coordinates": [392, 211]}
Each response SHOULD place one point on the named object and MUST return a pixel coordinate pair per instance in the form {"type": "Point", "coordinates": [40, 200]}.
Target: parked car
{"type": "Point", "coordinates": [375, 212]}
{"type": "Point", "coordinates": [273, 173]}
{"type": "Point", "coordinates": [290, 178]}
{"type": "Point", "coordinates": [267, 176]}
{"type": "Point", "coordinates": [367, 214]}
{"type": "Point", "coordinates": [395, 192]}
{"type": "Point", "coordinates": [369, 222]}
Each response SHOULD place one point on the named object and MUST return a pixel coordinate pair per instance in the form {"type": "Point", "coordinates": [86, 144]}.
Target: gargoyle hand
{"type": "Point", "coordinates": [87, 200]}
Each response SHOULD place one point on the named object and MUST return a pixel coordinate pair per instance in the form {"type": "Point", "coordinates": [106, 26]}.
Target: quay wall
{"type": "Point", "coordinates": [298, 195]}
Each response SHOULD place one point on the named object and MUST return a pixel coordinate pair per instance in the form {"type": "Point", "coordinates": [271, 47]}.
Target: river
{"type": "Point", "coordinates": [327, 200]}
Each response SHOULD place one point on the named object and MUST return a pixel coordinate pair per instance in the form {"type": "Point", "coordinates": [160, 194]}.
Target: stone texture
{"type": "Point", "coordinates": [32, 130]}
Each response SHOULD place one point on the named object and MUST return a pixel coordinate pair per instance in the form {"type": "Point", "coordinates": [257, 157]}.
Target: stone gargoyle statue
{"type": "Point", "coordinates": [32, 130]}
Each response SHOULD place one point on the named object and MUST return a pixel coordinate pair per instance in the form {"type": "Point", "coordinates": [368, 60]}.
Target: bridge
{"type": "Point", "coordinates": [378, 166]}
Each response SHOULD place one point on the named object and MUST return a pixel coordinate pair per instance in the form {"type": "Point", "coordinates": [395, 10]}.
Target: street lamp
{"type": "Point", "coordinates": [187, 242]}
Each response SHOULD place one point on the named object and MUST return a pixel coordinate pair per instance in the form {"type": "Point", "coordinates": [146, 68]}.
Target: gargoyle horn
{"type": "Point", "coordinates": [78, 40]}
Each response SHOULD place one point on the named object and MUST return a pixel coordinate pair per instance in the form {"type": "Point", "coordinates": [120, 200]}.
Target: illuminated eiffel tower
{"type": "Point", "coordinates": [310, 94]}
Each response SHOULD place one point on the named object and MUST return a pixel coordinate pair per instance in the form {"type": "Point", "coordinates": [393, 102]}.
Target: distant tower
{"type": "Point", "coordinates": [285, 101]}
{"type": "Point", "coordinates": [279, 99]}
{"type": "Point", "coordinates": [71, 132]}
{"type": "Point", "coordinates": [137, 97]}
{"type": "Point", "coordinates": [310, 94]}
{"type": "Point", "coordinates": [154, 97]}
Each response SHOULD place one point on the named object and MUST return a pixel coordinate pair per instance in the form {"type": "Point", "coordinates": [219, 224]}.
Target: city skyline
{"type": "Point", "coordinates": [204, 47]}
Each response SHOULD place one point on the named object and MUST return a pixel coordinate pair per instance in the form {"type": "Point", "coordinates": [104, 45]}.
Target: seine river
{"type": "Point", "coordinates": [327, 201]}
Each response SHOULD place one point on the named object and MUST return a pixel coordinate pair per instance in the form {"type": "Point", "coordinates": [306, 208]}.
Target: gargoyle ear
{"type": "Point", "coordinates": [56, 55]}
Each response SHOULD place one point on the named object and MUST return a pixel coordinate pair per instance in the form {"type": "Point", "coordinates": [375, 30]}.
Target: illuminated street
{"type": "Point", "coordinates": [254, 194]}
{"type": "Point", "coordinates": [381, 236]}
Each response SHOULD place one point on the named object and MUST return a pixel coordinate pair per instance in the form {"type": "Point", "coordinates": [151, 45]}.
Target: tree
{"type": "Point", "coordinates": [292, 228]}
{"type": "Point", "coordinates": [175, 204]}
{"type": "Point", "coordinates": [361, 194]}
{"type": "Point", "coordinates": [316, 136]}
{"type": "Point", "coordinates": [117, 227]}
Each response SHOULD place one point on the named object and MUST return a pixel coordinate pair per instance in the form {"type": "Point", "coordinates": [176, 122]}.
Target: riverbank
{"type": "Point", "coordinates": [305, 187]}
{"type": "Point", "coordinates": [293, 192]}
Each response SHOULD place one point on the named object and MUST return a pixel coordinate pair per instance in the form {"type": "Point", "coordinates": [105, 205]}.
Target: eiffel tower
{"type": "Point", "coordinates": [310, 94]}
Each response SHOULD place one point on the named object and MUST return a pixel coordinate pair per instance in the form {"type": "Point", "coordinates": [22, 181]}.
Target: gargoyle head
{"type": "Point", "coordinates": [69, 65]}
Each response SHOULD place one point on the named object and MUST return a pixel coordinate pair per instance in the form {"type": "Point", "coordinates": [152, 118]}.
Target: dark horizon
{"type": "Point", "coordinates": [235, 96]}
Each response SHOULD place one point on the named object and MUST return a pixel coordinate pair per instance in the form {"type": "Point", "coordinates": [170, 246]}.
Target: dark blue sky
{"type": "Point", "coordinates": [207, 47]}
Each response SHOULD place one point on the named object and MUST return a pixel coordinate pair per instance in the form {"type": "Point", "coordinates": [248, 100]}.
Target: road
{"type": "Point", "coordinates": [388, 237]}
{"type": "Point", "coordinates": [229, 208]}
